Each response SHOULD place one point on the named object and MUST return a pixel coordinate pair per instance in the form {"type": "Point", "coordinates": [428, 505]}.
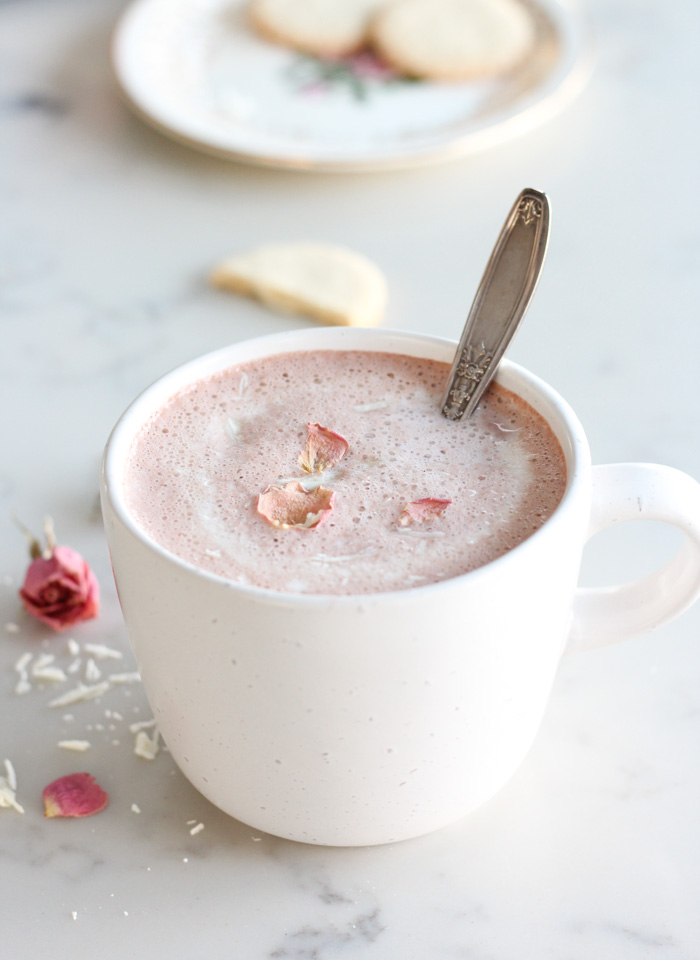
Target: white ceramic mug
{"type": "Point", "coordinates": [366, 719]}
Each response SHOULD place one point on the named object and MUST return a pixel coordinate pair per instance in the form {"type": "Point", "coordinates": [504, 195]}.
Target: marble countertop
{"type": "Point", "coordinates": [107, 233]}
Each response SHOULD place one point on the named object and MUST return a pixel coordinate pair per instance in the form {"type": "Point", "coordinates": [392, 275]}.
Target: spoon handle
{"type": "Point", "coordinates": [504, 295]}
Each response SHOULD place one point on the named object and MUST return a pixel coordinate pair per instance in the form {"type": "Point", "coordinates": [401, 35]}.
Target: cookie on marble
{"type": "Point", "coordinates": [453, 40]}
{"type": "Point", "coordinates": [325, 282]}
{"type": "Point", "coordinates": [325, 28]}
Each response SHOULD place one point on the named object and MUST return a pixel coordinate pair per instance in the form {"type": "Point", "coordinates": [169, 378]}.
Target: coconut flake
{"type": "Point", "coordinates": [294, 507]}
{"type": "Point", "coordinates": [80, 746]}
{"type": "Point", "coordinates": [323, 450]}
{"type": "Point", "coordinates": [76, 795]}
{"type": "Point", "coordinates": [196, 829]}
{"type": "Point", "coordinates": [12, 628]}
{"type": "Point", "coordinates": [418, 511]}
{"type": "Point", "coordinates": [73, 647]}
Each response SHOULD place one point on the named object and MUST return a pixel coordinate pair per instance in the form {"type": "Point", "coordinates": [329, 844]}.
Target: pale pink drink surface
{"type": "Point", "coordinates": [196, 469]}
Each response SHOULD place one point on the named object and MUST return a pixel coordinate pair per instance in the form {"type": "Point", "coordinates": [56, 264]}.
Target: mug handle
{"type": "Point", "coordinates": [639, 491]}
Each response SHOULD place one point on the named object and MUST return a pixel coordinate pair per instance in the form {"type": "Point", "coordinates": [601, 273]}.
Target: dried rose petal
{"type": "Point", "coordinates": [76, 795]}
{"type": "Point", "coordinates": [323, 449]}
{"type": "Point", "coordinates": [293, 506]}
{"type": "Point", "coordinates": [418, 511]}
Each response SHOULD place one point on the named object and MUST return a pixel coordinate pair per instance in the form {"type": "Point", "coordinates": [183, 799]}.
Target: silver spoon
{"type": "Point", "coordinates": [504, 295]}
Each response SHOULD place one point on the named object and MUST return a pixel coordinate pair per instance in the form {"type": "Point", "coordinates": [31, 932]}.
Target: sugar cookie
{"type": "Point", "coordinates": [326, 28]}
{"type": "Point", "coordinates": [453, 39]}
{"type": "Point", "coordinates": [325, 282]}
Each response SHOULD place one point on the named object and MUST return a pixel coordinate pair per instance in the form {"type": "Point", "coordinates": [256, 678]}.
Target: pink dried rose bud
{"type": "Point", "coordinates": [323, 450]}
{"type": "Point", "coordinates": [76, 795]}
{"type": "Point", "coordinates": [418, 511]}
{"type": "Point", "coordinates": [293, 507]}
{"type": "Point", "coordinates": [60, 589]}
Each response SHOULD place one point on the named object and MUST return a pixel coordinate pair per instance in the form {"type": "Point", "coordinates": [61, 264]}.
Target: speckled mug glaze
{"type": "Point", "coordinates": [362, 720]}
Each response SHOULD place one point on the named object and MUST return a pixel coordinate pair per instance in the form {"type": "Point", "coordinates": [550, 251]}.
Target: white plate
{"type": "Point", "coordinates": [196, 70]}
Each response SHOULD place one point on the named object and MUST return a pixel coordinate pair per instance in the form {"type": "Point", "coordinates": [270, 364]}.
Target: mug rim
{"type": "Point", "coordinates": [529, 387]}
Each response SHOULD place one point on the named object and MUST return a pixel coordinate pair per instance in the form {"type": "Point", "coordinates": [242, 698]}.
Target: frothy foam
{"type": "Point", "coordinates": [195, 471]}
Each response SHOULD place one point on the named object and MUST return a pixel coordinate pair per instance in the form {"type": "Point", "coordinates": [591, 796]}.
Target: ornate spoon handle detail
{"type": "Point", "coordinates": [504, 295]}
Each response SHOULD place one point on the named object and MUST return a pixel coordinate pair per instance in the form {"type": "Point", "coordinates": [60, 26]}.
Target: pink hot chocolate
{"type": "Point", "coordinates": [197, 469]}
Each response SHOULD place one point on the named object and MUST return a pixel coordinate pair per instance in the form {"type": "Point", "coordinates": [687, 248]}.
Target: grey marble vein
{"type": "Point", "coordinates": [42, 102]}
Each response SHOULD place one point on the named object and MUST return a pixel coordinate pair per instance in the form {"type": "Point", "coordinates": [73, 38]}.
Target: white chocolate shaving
{"type": "Point", "coordinates": [23, 685]}
{"type": "Point", "coordinates": [92, 671]}
{"type": "Point", "coordinates": [80, 693]}
{"type": "Point", "coordinates": [142, 725]}
{"type": "Point", "coordinates": [101, 652]}
{"type": "Point", "coordinates": [369, 407]}
{"type": "Point", "coordinates": [43, 669]}
{"type": "Point", "coordinates": [8, 787]}
{"type": "Point", "coordinates": [23, 662]}
{"type": "Point", "coordinates": [11, 775]}
{"type": "Point", "coordinates": [133, 677]}
{"type": "Point", "coordinates": [233, 429]}
{"type": "Point", "coordinates": [50, 674]}
{"type": "Point", "coordinates": [146, 747]}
